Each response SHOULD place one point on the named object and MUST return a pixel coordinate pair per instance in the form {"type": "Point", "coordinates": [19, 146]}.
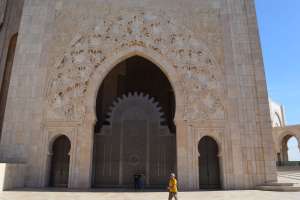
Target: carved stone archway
{"type": "Point", "coordinates": [164, 65]}
{"type": "Point", "coordinates": [186, 61]}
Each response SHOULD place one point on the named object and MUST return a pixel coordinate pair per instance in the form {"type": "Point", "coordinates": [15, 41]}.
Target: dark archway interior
{"type": "Point", "coordinates": [60, 161]}
{"type": "Point", "coordinates": [138, 143]}
{"type": "Point", "coordinates": [209, 170]}
{"type": "Point", "coordinates": [136, 74]}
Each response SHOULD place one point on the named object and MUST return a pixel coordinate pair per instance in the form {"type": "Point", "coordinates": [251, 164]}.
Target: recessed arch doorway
{"type": "Point", "coordinates": [209, 169]}
{"type": "Point", "coordinates": [60, 162]}
{"type": "Point", "coordinates": [135, 131]}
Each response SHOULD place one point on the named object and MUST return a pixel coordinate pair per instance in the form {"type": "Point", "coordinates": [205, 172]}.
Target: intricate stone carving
{"type": "Point", "coordinates": [200, 77]}
{"type": "Point", "coordinates": [133, 102]}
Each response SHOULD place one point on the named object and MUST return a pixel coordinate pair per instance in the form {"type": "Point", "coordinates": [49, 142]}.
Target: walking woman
{"type": "Point", "coordinates": [172, 187]}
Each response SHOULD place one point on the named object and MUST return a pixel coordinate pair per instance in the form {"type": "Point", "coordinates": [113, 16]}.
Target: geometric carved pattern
{"type": "Point", "coordinates": [200, 78]}
{"type": "Point", "coordinates": [136, 100]}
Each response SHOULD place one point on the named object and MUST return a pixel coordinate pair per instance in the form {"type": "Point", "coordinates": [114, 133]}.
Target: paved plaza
{"type": "Point", "coordinates": [289, 177]}
{"type": "Point", "coordinates": [101, 195]}
{"type": "Point", "coordinates": [55, 194]}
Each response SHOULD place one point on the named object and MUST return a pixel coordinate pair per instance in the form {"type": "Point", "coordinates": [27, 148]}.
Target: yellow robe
{"type": "Point", "coordinates": [173, 185]}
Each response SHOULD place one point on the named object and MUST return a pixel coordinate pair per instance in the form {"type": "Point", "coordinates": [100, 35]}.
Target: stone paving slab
{"type": "Point", "coordinates": [102, 195]}
{"type": "Point", "coordinates": [289, 177]}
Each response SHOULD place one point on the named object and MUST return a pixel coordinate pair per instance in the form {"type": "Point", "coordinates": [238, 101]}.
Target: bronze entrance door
{"type": "Point", "coordinates": [59, 173]}
{"type": "Point", "coordinates": [209, 175]}
{"type": "Point", "coordinates": [134, 142]}
{"type": "Point", "coordinates": [134, 151]}
{"type": "Point", "coordinates": [120, 154]}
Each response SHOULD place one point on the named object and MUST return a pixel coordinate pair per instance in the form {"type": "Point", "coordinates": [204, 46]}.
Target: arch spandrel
{"type": "Point", "coordinates": [194, 75]}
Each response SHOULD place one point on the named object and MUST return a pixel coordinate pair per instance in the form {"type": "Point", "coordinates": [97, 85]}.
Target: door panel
{"type": "Point", "coordinates": [106, 161]}
{"type": "Point", "coordinates": [209, 175]}
{"type": "Point", "coordinates": [60, 161]}
{"type": "Point", "coordinates": [134, 149]}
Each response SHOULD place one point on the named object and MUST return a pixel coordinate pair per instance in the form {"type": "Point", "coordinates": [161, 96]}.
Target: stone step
{"type": "Point", "coordinates": [280, 187]}
{"type": "Point", "coordinates": [279, 184]}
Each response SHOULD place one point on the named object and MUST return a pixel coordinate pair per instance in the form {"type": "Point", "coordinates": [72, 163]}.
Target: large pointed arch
{"type": "Point", "coordinates": [117, 134]}
{"type": "Point", "coordinates": [164, 65]}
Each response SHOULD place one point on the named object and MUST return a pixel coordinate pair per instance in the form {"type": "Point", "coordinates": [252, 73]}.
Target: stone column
{"type": "Point", "coordinates": [262, 100]}
{"type": "Point", "coordinates": [233, 176]}
{"type": "Point", "coordinates": [182, 154]}
{"type": "Point", "coordinates": [82, 165]}
{"type": "Point", "coordinates": [250, 127]}
{"type": "Point", "coordinates": [284, 153]}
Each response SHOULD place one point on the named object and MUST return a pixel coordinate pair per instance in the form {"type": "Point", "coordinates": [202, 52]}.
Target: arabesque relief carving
{"type": "Point", "coordinates": [199, 75]}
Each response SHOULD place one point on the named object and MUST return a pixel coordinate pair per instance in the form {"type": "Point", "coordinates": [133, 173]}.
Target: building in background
{"type": "Point", "coordinates": [284, 134]}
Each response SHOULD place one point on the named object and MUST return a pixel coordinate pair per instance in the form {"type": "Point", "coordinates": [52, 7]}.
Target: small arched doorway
{"type": "Point", "coordinates": [209, 170]}
{"type": "Point", "coordinates": [60, 161]}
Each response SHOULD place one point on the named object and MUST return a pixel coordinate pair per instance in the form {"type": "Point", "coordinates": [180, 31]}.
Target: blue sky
{"type": "Point", "coordinates": [279, 26]}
